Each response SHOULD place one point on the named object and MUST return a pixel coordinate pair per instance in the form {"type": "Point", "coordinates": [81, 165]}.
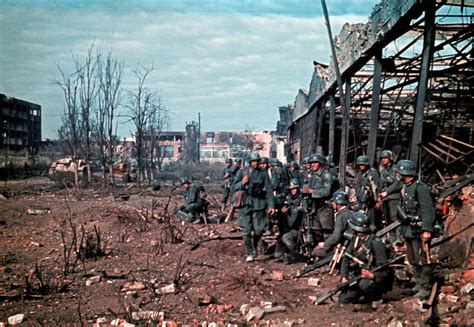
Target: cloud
{"type": "Point", "coordinates": [234, 68]}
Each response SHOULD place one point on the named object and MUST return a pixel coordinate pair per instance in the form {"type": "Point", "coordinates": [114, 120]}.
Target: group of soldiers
{"type": "Point", "coordinates": [312, 218]}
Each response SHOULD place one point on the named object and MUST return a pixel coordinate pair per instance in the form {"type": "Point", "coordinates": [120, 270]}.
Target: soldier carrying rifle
{"type": "Point", "coordinates": [364, 253]}
{"type": "Point", "coordinates": [418, 224]}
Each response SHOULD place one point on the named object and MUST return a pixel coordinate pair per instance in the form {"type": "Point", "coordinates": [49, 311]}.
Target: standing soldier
{"type": "Point", "coordinates": [364, 253]}
{"type": "Point", "coordinates": [417, 225]}
{"type": "Point", "coordinates": [391, 187]}
{"type": "Point", "coordinates": [320, 187]}
{"type": "Point", "coordinates": [227, 177]}
{"type": "Point", "coordinates": [235, 169]}
{"type": "Point", "coordinates": [367, 188]}
{"type": "Point", "coordinates": [257, 188]}
{"type": "Point", "coordinates": [339, 203]}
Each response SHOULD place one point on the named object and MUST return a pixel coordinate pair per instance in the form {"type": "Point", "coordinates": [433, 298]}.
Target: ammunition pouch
{"type": "Point", "coordinates": [257, 190]}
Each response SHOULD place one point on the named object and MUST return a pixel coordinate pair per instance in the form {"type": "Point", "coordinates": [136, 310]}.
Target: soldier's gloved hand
{"type": "Point", "coordinates": [383, 195]}
{"type": "Point", "coordinates": [343, 279]}
{"type": "Point", "coordinates": [284, 209]}
{"type": "Point", "coordinates": [367, 274]}
{"type": "Point", "coordinates": [245, 180]}
{"type": "Point", "coordinates": [271, 211]}
{"type": "Point", "coordinates": [425, 236]}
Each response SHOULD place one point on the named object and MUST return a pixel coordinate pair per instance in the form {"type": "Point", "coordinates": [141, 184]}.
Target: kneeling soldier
{"type": "Point", "coordinates": [339, 203]}
{"type": "Point", "coordinates": [194, 205]}
{"type": "Point", "coordinates": [365, 252]}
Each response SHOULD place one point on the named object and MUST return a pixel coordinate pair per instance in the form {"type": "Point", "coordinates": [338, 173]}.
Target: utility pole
{"type": "Point", "coordinates": [345, 105]}
{"type": "Point", "coordinates": [199, 139]}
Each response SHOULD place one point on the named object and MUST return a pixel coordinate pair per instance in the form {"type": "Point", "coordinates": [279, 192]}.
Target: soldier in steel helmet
{"type": "Point", "coordinates": [259, 201]}
{"type": "Point", "coordinates": [194, 204]}
{"type": "Point", "coordinates": [339, 202]}
{"type": "Point", "coordinates": [290, 223]}
{"type": "Point", "coordinates": [293, 171]}
{"type": "Point", "coordinates": [390, 191]}
{"type": "Point", "coordinates": [227, 180]}
{"type": "Point", "coordinates": [306, 171]}
{"type": "Point", "coordinates": [367, 188]}
{"type": "Point", "coordinates": [320, 189]}
{"type": "Point", "coordinates": [364, 253]}
{"type": "Point", "coordinates": [417, 225]}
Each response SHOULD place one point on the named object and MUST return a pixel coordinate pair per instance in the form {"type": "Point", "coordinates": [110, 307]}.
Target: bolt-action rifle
{"type": "Point", "coordinates": [354, 281]}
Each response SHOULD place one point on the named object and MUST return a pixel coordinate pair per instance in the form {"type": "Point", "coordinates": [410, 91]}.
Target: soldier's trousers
{"type": "Point", "coordinates": [367, 288]}
{"type": "Point", "coordinates": [323, 222]}
{"type": "Point", "coordinates": [225, 195]}
{"type": "Point", "coordinates": [253, 223]}
{"type": "Point", "coordinates": [417, 258]}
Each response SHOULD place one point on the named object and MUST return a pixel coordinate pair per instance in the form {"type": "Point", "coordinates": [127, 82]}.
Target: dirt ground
{"type": "Point", "coordinates": [143, 248]}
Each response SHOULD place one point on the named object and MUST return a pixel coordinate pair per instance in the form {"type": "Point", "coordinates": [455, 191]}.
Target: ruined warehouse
{"type": "Point", "coordinates": [407, 78]}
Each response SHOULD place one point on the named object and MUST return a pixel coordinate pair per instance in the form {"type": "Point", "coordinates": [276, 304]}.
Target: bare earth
{"type": "Point", "coordinates": [147, 249]}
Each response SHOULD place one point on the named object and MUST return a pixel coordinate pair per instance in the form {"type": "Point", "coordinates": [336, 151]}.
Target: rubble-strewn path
{"type": "Point", "coordinates": [139, 265]}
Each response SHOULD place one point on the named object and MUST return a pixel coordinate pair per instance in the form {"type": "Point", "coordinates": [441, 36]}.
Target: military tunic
{"type": "Point", "coordinates": [392, 185]}
{"type": "Point", "coordinates": [321, 184]}
{"type": "Point", "coordinates": [193, 202]}
{"type": "Point", "coordinates": [259, 198]}
{"type": "Point", "coordinates": [366, 182]}
{"type": "Point", "coordinates": [373, 252]}
{"type": "Point", "coordinates": [418, 204]}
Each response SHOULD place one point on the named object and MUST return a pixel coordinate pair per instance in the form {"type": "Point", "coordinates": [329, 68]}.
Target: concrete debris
{"type": "Point", "coordinates": [244, 308]}
{"type": "Point", "coordinates": [395, 323]}
{"type": "Point", "coordinates": [468, 288]}
{"type": "Point", "coordinates": [168, 289]}
{"type": "Point", "coordinates": [452, 298]}
{"type": "Point", "coordinates": [266, 304]}
{"type": "Point", "coordinates": [278, 275]}
{"type": "Point", "coordinates": [16, 319]}
{"type": "Point", "coordinates": [278, 308]}
{"type": "Point", "coordinates": [133, 286]}
{"type": "Point", "coordinates": [255, 314]}
{"type": "Point", "coordinates": [314, 281]}
{"type": "Point", "coordinates": [40, 211]}
{"type": "Point", "coordinates": [148, 315]}
{"type": "Point", "coordinates": [121, 323]}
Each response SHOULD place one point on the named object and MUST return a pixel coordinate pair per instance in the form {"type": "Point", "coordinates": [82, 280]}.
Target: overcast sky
{"type": "Point", "coordinates": [234, 61]}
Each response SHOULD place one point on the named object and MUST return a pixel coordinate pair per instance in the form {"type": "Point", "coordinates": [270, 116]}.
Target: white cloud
{"type": "Point", "coordinates": [235, 69]}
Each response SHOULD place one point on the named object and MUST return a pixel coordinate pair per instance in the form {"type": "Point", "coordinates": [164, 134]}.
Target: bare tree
{"type": "Point", "coordinates": [142, 107]}
{"type": "Point", "coordinates": [159, 121]}
{"type": "Point", "coordinates": [110, 74]}
{"type": "Point", "coordinates": [70, 131]}
{"type": "Point", "coordinates": [86, 74]}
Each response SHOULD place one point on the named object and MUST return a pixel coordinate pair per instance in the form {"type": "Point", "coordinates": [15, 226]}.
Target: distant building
{"type": "Point", "coordinates": [20, 125]}
{"type": "Point", "coordinates": [280, 137]}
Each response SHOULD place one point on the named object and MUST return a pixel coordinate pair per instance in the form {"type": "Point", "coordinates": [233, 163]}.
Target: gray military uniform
{"type": "Point", "coordinates": [259, 198]}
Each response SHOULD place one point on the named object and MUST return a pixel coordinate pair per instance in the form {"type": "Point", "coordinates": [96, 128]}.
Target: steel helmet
{"type": "Point", "coordinates": [254, 156]}
{"type": "Point", "coordinates": [275, 162]}
{"type": "Point", "coordinates": [294, 183]}
{"type": "Point", "coordinates": [305, 160]}
{"type": "Point", "coordinates": [359, 222]}
{"type": "Point", "coordinates": [228, 160]}
{"type": "Point", "coordinates": [183, 180]}
{"type": "Point", "coordinates": [317, 158]}
{"type": "Point", "coordinates": [239, 160]}
{"type": "Point", "coordinates": [406, 168]}
{"type": "Point", "coordinates": [340, 197]}
{"type": "Point", "coordinates": [362, 160]}
{"type": "Point", "coordinates": [265, 160]}
{"type": "Point", "coordinates": [386, 154]}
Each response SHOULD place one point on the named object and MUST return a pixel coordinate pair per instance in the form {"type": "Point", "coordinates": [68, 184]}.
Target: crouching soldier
{"type": "Point", "coordinates": [364, 253]}
{"type": "Point", "coordinates": [194, 205]}
{"type": "Point", "coordinates": [290, 222]}
{"type": "Point", "coordinates": [339, 203]}
{"type": "Point", "coordinates": [417, 225]}
{"type": "Point", "coordinates": [257, 189]}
